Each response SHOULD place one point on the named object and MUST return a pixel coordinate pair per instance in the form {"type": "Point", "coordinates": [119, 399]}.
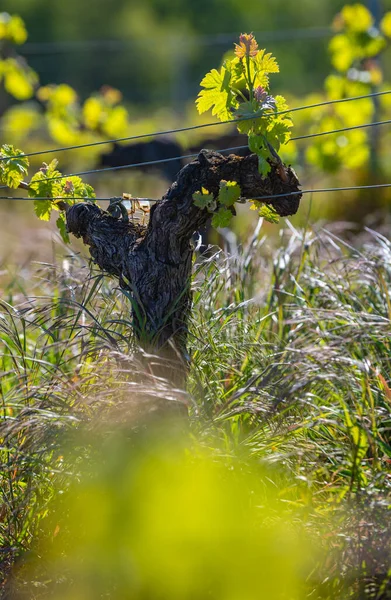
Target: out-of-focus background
{"type": "Point", "coordinates": [104, 71]}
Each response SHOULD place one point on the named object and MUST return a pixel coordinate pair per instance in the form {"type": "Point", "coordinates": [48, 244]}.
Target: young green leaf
{"type": "Point", "coordinates": [264, 167]}
{"type": "Point", "coordinates": [221, 218]}
{"type": "Point", "coordinates": [74, 187]}
{"type": "Point", "coordinates": [203, 199]}
{"type": "Point", "coordinates": [229, 193]}
{"type": "Point", "coordinates": [12, 170]}
{"type": "Point", "coordinates": [264, 64]}
{"type": "Point", "coordinates": [42, 184]}
{"type": "Point", "coordinates": [279, 132]}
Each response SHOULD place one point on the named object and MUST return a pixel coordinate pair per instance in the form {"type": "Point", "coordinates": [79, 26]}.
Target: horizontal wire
{"type": "Point", "coordinates": [272, 196]}
{"type": "Point", "coordinates": [182, 157]}
{"type": "Point", "coordinates": [193, 127]}
{"type": "Point", "coordinates": [87, 200]}
{"type": "Point", "coordinates": [312, 135]}
{"type": "Point", "coordinates": [318, 134]}
{"type": "Point", "coordinates": [133, 165]}
{"type": "Point", "coordinates": [186, 156]}
{"type": "Point", "coordinates": [324, 190]}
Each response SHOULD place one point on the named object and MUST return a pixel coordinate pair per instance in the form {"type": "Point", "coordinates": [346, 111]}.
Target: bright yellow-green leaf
{"type": "Point", "coordinates": [279, 132]}
{"type": "Point", "coordinates": [74, 187]}
{"type": "Point", "coordinates": [265, 61]}
{"type": "Point", "coordinates": [265, 210]}
{"type": "Point", "coordinates": [281, 104]}
{"type": "Point", "coordinates": [12, 170]}
{"type": "Point", "coordinates": [260, 68]}
{"type": "Point", "coordinates": [229, 192]}
{"type": "Point", "coordinates": [385, 24]}
{"type": "Point", "coordinates": [43, 209]}
{"type": "Point", "coordinates": [42, 185]}
{"type": "Point", "coordinates": [236, 69]}
{"type": "Point", "coordinates": [216, 95]}
{"type": "Point", "coordinates": [269, 214]}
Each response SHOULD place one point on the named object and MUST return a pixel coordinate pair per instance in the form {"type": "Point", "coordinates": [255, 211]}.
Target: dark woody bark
{"type": "Point", "coordinates": [154, 262]}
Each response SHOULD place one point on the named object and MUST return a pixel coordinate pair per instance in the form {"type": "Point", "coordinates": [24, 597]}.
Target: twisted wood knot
{"type": "Point", "coordinates": [79, 216]}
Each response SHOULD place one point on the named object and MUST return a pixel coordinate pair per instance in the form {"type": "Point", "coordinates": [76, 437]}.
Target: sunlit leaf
{"type": "Point", "coordinates": [217, 94]}
{"type": "Point", "coordinates": [265, 61]}
{"type": "Point", "coordinates": [43, 209]}
{"type": "Point", "coordinates": [12, 170]}
{"type": "Point", "coordinates": [42, 184]}
{"type": "Point", "coordinates": [74, 187]}
{"type": "Point", "coordinates": [266, 211]}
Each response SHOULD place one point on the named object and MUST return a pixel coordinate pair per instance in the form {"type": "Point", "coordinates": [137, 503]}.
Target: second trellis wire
{"type": "Point", "coordinates": [203, 125]}
{"type": "Point", "coordinates": [183, 157]}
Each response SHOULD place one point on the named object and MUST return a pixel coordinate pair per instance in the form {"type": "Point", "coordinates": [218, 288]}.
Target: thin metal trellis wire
{"type": "Point", "coordinates": [183, 157]}
{"type": "Point", "coordinates": [271, 197]}
{"type": "Point", "coordinates": [326, 190]}
{"type": "Point", "coordinates": [194, 127]}
{"type": "Point", "coordinates": [132, 165]}
{"type": "Point", "coordinates": [87, 200]}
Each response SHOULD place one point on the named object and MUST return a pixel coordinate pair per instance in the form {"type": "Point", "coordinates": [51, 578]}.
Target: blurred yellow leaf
{"type": "Point", "coordinates": [357, 17]}
{"type": "Point", "coordinates": [19, 81]}
{"type": "Point", "coordinates": [342, 52]}
{"type": "Point", "coordinates": [117, 122]}
{"type": "Point", "coordinates": [93, 112]}
{"type": "Point", "coordinates": [385, 24]}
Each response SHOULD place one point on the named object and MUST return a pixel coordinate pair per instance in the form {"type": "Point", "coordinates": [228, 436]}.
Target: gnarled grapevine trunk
{"type": "Point", "coordinates": [154, 262]}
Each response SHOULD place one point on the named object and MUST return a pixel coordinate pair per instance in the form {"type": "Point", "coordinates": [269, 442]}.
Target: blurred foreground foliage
{"type": "Point", "coordinates": [288, 437]}
{"type": "Point", "coordinates": [155, 514]}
